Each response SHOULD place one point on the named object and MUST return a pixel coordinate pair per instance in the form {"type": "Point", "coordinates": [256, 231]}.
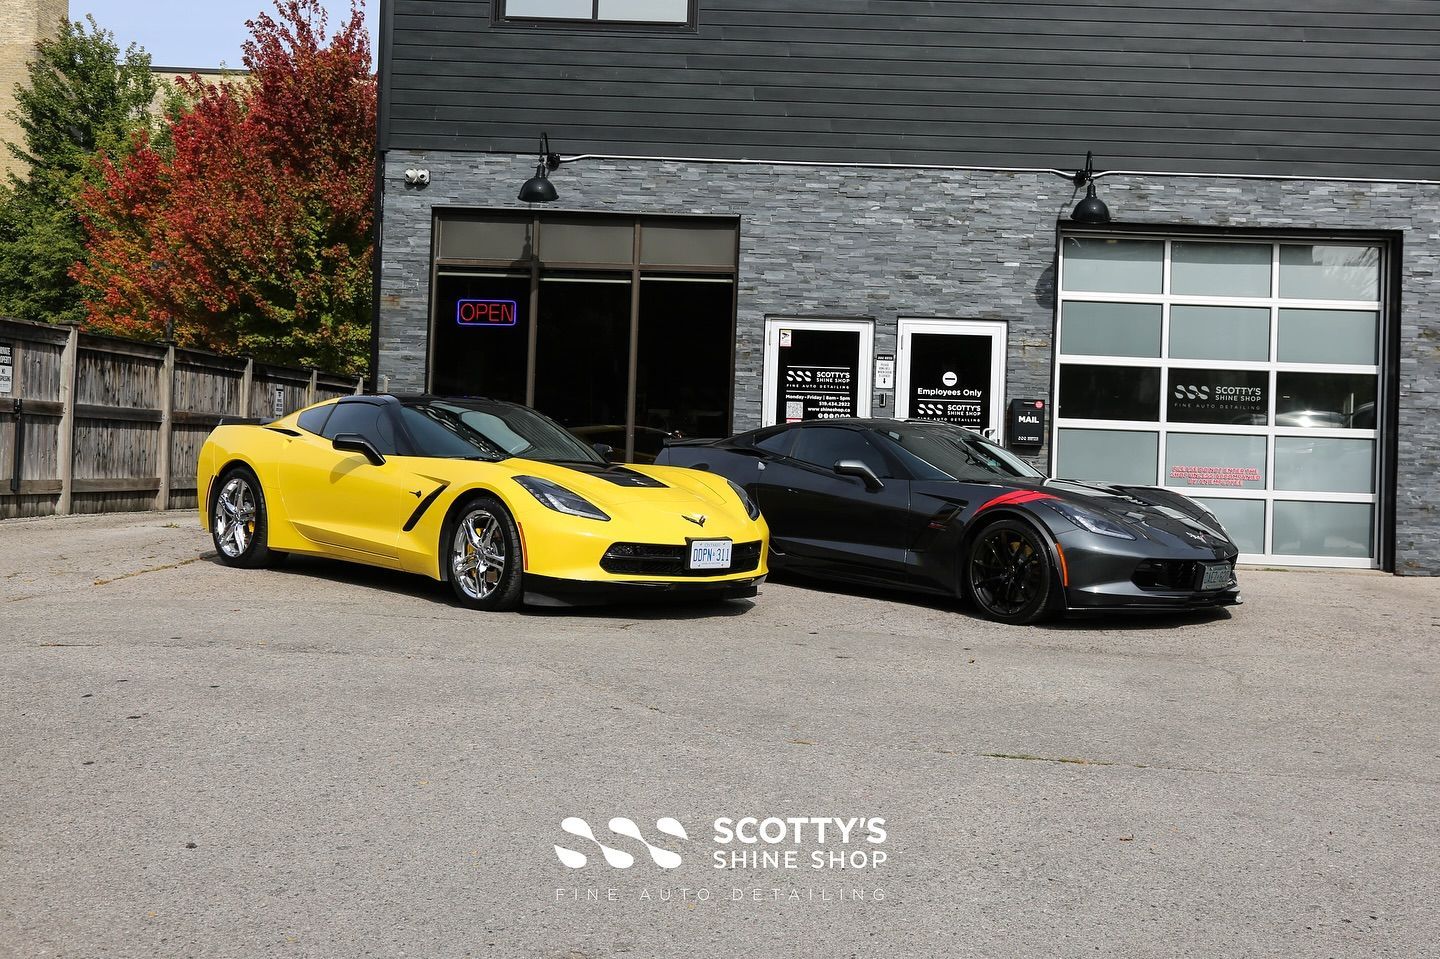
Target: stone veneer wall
{"type": "Point", "coordinates": [886, 243]}
{"type": "Point", "coordinates": [22, 24]}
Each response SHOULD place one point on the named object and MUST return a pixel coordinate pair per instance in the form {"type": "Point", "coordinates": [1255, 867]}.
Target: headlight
{"type": "Point", "coordinates": [560, 499]}
{"type": "Point", "coordinates": [1094, 522]}
{"type": "Point", "coordinates": [751, 510]}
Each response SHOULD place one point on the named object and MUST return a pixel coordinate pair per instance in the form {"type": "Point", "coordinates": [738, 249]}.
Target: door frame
{"type": "Point", "coordinates": [997, 330]}
{"type": "Point", "coordinates": [864, 325]}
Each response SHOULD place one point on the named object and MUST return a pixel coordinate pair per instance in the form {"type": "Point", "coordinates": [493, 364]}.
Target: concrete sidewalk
{"type": "Point", "coordinates": [324, 760]}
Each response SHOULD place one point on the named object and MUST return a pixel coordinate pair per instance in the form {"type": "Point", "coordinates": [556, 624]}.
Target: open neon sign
{"type": "Point", "coordinates": [486, 312]}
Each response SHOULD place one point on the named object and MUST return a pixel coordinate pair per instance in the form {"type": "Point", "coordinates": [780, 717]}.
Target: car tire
{"type": "Point", "coordinates": [481, 544]}
{"type": "Point", "coordinates": [1007, 573]}
{"type": "Point", "coordinates": [239, 524]}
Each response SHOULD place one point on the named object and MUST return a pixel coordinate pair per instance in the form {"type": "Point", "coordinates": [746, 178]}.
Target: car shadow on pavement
{"type": "Point", "coordinates": [1118, 620]}
{"type": "Point", "coordinates": [422, 587]}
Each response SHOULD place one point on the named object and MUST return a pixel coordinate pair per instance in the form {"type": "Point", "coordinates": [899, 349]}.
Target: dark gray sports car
{"type": "Point", "coordinates": [936, 508]}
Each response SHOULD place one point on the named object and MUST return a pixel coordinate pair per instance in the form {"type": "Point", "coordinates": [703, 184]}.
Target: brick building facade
{"type": "Point", "coordinates": [23, 23]}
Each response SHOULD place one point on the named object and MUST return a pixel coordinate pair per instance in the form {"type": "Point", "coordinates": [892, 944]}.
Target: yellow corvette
{"type": "Point", "coordinates": [494, 498]}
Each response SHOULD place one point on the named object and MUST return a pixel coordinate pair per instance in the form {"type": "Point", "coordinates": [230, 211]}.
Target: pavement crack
{"type": "Point", "coordinates": [1207, 770]}
{"type": "Point", "coordinates": [1058, 759]}
{"type": "Point", "coordinates": [152, 569]}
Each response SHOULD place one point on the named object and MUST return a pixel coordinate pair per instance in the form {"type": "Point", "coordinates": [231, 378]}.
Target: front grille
{"type": "Point", "coordinates": [1167, 574]}
{"type": "Point", "coordinates": [649, 559]}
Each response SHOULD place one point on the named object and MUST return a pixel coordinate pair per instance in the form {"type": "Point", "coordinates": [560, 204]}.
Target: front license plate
{"type": "Point", "coordinates": [710, 553]}
{"type": "Point", "coordinates": [1217, 576]}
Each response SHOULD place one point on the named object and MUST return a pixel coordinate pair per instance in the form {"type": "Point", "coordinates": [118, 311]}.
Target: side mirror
{"type": "Point", "coordinates": [606, 451]}
{"type": "Point", "coordinates": [355, 443]}
{"type": "Point", "coordinates": [858, 468]}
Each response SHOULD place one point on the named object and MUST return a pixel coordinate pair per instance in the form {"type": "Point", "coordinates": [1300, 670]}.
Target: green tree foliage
{"type": "Point", "coordinates": [250, 229]}
{"type": "Point", "coordinates": [81, 97]}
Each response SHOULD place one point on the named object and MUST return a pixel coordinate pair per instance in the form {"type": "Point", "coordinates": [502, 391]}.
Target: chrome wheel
{"type": "Point", "coordinates": [477, 556]}
{"type": "Point", "coordinates": [235, 512]}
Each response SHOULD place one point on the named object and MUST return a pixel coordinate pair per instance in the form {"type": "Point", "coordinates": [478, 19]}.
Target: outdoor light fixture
{"type": "Point", "coordinates": [1091, 209]}
{"type": "Point", "coordinates": [539, 189]}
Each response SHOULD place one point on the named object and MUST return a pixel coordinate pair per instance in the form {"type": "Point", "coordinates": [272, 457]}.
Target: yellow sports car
{"type": "Point", "coordinates": [492, 497]}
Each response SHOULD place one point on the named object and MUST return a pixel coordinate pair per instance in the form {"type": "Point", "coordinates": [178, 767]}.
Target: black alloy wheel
{"type": "Point", "coordinates": [1008, 573]}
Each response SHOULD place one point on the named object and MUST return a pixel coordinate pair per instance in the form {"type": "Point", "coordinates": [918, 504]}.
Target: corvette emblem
{"type": "Point", "coordinates": [1195, 536]}
{"type": "Point", "coordinates": [697, 518]}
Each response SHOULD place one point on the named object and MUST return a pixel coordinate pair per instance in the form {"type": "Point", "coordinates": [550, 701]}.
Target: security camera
{"type": "Point", "coordinates": [417, 177]}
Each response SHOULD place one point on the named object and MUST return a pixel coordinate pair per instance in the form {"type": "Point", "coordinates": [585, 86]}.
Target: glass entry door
{"type": "Point", "coordinates": [952, 371]}
{"type": "Point", "coordinates": [816, 369]}
{"type": "Point", "coordinates": [582, 354]}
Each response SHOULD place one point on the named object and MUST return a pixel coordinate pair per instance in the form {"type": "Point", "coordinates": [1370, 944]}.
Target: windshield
{"type": "Point", "coordinates": [940, 452]}
{"type": "Point", "coordinates": [494, 431]}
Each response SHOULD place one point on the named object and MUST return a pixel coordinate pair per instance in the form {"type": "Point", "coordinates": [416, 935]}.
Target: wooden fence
{"type": "Point", "coordinates": [97, 424]}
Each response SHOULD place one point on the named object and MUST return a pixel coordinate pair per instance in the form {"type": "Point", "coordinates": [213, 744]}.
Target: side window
{"type": "Point", "coordinates": [824, 446]}
{"type": "Point", "coordinates": [777, 442]}
{"type": "Point", "coordinates": [313, 421]}
{"type": "Point", "coordinates": [368, 419]}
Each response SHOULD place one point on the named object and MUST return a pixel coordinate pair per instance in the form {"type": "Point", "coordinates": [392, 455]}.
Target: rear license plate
{"type": "Point", "coordinates": [710, 553]}
{"type": "Point", "coordinates": [1217, 576]}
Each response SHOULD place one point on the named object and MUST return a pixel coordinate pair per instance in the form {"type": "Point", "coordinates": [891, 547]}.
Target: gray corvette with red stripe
{"type": "Point", "coordinates": [938, 509]}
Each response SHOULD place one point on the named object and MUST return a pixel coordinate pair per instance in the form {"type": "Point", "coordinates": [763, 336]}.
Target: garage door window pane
{"type": "Point", "coordinates": [1113, 456]}
{"type": "Point", "coordinates": [1323, 529]}
{"type": "Point", "coordinates": [1325, 400]}
{"type": "Point", "coordinates": [1109, 392]}
{"type": "Point", "coordinates": [1329, 272]}
{"type": "Point", "coordinates": [1227, 462]}
{"type": "Point", "coordinates": [1324, 465]}
{"type": "Point", "coordinates": [1113, 266]}
{"type": "Point", "coordinates": [1329, 336]}
{"type": "Point", "coordinates": [1220, 332]}
{"type": "Point", "coordinates": [1243, 519]}
{"type": "Point", "coordinates": [1220, 269]}
{"type": "Point", "coordinates": [1110, 329]}
{"type": "Point", "coordinates": [1227, 397]}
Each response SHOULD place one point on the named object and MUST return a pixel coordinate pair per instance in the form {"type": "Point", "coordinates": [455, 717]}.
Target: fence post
{"type": "Point", "coordinates": [359, 385]}
{"type": "Point", "coordinates": [314, 384]}
{"type": "Point", "coordinates": [167, 427]}
{"type": "Point", "coordinates": [247, 383]}
{"type": "Point", "coordinates": [65, 447]}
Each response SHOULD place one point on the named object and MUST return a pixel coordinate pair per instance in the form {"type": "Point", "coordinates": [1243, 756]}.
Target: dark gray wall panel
{"type": "Point", "coordinates": [1299, 87]}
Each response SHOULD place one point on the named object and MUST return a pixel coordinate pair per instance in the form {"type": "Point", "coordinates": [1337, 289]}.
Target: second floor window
{"type": "Point", "coordinates": [664, 12]}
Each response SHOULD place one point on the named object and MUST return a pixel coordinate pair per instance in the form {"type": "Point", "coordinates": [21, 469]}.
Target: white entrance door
{"type": "Point", "coordinates": [952, 371]}
{"type": "Point", "coordinates": [816, 369]}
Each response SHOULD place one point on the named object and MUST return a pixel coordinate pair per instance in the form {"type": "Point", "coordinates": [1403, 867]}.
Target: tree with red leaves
{"type": "Point", "coordinates": [250, 230]}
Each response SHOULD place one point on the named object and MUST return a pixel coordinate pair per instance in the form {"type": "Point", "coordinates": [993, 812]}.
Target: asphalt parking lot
{"type": "Point", "coordinates": [323, 760]}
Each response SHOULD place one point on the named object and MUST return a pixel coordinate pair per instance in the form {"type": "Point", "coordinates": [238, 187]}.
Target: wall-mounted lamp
{"type": "Point", "coordinates": [539, 189]}
{"type": "Point", "coordinates": [1091, 209]}
{"type": "Point", "coordinates": [419, 178]}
